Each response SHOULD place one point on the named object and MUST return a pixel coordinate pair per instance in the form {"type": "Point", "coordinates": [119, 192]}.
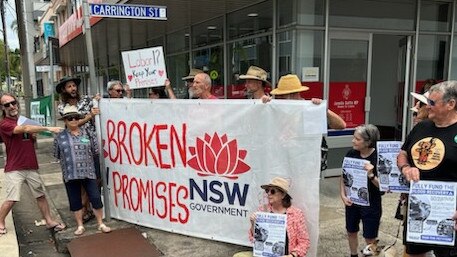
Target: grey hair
{"type": "Point", "coordinates": [369, 133]}
{"type": "Point", "coordinates": [206, 78]}
{"type": "Point", "coordinates": [112, 83]}
{"type": "Point", "coordinates": [448, 89]}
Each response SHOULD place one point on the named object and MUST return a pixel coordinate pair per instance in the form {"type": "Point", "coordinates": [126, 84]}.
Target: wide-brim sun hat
{"type": "Point", "coordinates": [289, 84]}
{"type": "Point", "coordinates": [192, 74]}
{"type": "Point", "coordinates": [278, 182]}
{"type": "Point", "coordinates": [423, 98]}
{"type": "Point", "coordinates": [256, 73]}
{"type": "Point", "coordinates": [69, 111]}
{"type": "Point", "coordinates": [64, 81]}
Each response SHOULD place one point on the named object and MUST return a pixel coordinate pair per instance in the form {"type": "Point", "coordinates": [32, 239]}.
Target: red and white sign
{"type": "Point", "coordinates": [72, 27]}
{"type": "Point", "coordinates": [145, 67]}
{"type": "Point", "coordinates": [347, 99]}
{"type": "Point", "coordinates": [195, 166]}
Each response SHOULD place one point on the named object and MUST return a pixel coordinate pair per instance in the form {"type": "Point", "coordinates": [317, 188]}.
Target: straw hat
{"type": "Point", "coordinates": [64, 81]}
{"type": "Point", "coordinates": [192, 74]}
{"type": "Point", "coordinates": [70, 110]}
{"type": "Point", "coordinates": [256, 73]}
{"type": "Point", "coordinates": [289, 84]}
{"type": "Point", "coordinates": [279, 183]}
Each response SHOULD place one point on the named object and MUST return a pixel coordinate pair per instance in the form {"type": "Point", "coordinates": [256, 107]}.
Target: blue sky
{"type": "Point", "coordinates": [10, 15]}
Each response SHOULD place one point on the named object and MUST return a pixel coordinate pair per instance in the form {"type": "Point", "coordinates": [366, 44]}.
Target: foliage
{"type": "Point", "coordinates": [14, 62]}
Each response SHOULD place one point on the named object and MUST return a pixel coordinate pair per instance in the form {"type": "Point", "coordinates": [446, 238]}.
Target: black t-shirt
{"type": "Point", "coordinates": [373, 191]}
{"type": "Point", "coordinates": [433, 151]}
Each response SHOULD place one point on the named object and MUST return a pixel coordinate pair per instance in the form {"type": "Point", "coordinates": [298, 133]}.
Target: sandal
{"type": "Point", "coordinates": [103, 228]}
{"type": "Point", "coordinates": [79, 231]}
{"type": "Point", "coordinates": [3, 231]}
{"type": "Point", "coordinates": [57, 227]}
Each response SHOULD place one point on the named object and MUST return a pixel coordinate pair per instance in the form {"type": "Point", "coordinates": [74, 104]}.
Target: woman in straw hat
{"type": "Point", "coordinates": [279, 201]}
{"type": "Point", "coordinates": [75, 148]}
{"type": "Point", "coordinates": [363, 147]}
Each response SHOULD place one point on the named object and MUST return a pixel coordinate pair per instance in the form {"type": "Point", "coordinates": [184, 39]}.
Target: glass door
{"type": "Point", "coordinates": [348, 76]}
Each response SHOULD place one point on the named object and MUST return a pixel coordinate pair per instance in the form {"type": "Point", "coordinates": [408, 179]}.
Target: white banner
{"type": "Point", "coordinates": [195, 166]}
{"type": "Point", "coordinates": [144, 67]}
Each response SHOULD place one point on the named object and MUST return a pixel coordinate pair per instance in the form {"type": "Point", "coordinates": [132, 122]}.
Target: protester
{"type": "Point", "coordinates": [363, 147]}
{"type": "Point", "coordinates": [256, 80]}
{"type": "Point", "coordinates": [280, 201]}
{"type": "Point", "coordinates": [201, 88]}
{"type": "Point", "coordinates": [161, 92]}
{"type": "Point", "coordinates": [189, 79]}
{"type": "Point", "coordinates": [75, 148]}
{"type": "Point", "coordinates": [116, 89]}
{"type": "Point", "coordinates": [430, 153]}
{"type": "Point", "coordinates": [21, 163]}
{"type": "Point", "coordinates": [420, 108]}
{"type": "Point", "coordinates": [68, 90]}
{"type": "Point", "coordinates": [289, 87]}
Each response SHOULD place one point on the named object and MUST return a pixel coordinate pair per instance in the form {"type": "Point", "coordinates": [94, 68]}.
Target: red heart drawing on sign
{"type": "Point", "coordinates": [161, 72]}
{"type": "Point", "coordinates": [130, 77]}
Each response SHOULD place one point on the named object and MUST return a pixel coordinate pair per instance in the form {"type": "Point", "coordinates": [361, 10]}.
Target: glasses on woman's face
{"type": "Point", "coordinates": [10, 103]}
{"type": "Point", "coordinates": [270, 191]}
{"type": "Point", "coordinates": [72, 118]}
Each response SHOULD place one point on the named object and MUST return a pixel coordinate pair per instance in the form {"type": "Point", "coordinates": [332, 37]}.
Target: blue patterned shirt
{"type": "Point", "coordinates": [76, 154]}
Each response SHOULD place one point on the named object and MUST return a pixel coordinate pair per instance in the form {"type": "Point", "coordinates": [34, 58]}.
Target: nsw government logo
{"type": "Point", "coordinates": [217, 156]}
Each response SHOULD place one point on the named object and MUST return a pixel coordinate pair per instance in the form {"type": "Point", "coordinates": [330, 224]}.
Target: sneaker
{"type": "Point", "coordinates": [103, 228]}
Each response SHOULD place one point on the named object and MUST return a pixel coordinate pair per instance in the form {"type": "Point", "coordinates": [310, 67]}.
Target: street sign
{"type": "Point", "coordinates": [47, 68]}
{"type": "Point", "coordinates": [129, 11]}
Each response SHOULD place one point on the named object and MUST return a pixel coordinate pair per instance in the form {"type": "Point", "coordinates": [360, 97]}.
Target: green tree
{"type": "Point", "coordinates": [14, 62]}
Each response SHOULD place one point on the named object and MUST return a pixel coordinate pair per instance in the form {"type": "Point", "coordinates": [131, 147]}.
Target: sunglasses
{"type": "Point", "coordinates": [72, 118]}
{"type": "Point", "coordinates": [120, 91]}
{"type": "Point", "coordinates": [271, 191]}
{"type": "Point", "coordinates": [9, 104]}
{"type": "Point", "coordinates": [433, 102]}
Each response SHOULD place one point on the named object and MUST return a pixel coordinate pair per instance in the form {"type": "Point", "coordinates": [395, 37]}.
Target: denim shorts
{"type": "Point", "coordinates": [73, 188]}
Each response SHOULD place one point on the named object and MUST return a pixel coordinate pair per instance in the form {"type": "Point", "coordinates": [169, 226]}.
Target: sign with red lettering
{"type": "Point", "coordinates": [195, 167]}
{"type": "Point", "coordinates": [145, 67]}
{"type": "Point", "coordinates": [347, 99]}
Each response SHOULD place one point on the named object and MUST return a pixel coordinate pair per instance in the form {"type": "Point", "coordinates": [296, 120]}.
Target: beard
{"type": "Point", "coordinates": [67, 96]}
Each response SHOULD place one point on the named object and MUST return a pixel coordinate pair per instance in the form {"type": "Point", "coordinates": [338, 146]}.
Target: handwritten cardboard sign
{"type": "Point", "coordinates": [144, 67]}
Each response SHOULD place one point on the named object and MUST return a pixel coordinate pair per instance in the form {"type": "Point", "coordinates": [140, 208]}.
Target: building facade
{"type": "Point", "coordinates": [363, 56]}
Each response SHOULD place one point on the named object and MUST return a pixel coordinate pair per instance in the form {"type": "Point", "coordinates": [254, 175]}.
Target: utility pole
{"type": "Point", "coordinates": [5, 41]}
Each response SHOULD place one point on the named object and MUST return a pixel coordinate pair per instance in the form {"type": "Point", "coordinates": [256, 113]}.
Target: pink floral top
{"type": "Point", "coordinates": [297, 231]}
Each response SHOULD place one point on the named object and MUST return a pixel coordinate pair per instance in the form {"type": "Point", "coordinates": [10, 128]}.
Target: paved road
{"type": "Point", "coordinates": [37, 241]}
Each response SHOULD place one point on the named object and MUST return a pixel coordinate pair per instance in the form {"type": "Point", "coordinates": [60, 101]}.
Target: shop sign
{"type": "Point", "coordinates": [347, 99]}
{"type": "Point", "coordinates": [129, 11]}
{"type": "Point", "coordinates": [72, 27]}
{"type": "Point", "coordinates": [145, 67]}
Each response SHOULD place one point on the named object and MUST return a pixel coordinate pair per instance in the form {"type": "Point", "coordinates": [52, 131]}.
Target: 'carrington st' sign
{"type": "Point", "coordinates": [129, 11]}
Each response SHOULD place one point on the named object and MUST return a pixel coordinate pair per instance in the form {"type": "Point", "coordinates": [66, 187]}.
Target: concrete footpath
{"type": "Point", "coordinates": [332, 239]}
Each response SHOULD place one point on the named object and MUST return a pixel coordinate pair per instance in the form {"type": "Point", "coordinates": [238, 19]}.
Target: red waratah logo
{"type": "Point", "coordinates": [216, 156]}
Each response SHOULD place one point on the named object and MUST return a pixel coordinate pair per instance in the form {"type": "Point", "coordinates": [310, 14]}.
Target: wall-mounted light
{"type": "Point", "coordinates": [253, 14]}
{"type": "Point", "coordinates": [211, 27]}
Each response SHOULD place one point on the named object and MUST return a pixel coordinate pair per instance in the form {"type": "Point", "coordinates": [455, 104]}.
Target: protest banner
{"type": "Point", "coordinates": [431, 207]}
{"type": "Point", "coordinates": [356, 181]}
{"type": "Point", "coordinates": [195, 166]}
{"type": "Point", "coordinates": [390, 177]}
{"type": "Point", "coordinates": [144, 67]}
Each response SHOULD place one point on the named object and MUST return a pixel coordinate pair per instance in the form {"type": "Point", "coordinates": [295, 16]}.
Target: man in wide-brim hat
{"type": "Point", "coordinates": [256, 80]}
{"type": "Point", "coordinates": [189, 79]}
{"type": "Point", "coordinates": [64, 81]}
